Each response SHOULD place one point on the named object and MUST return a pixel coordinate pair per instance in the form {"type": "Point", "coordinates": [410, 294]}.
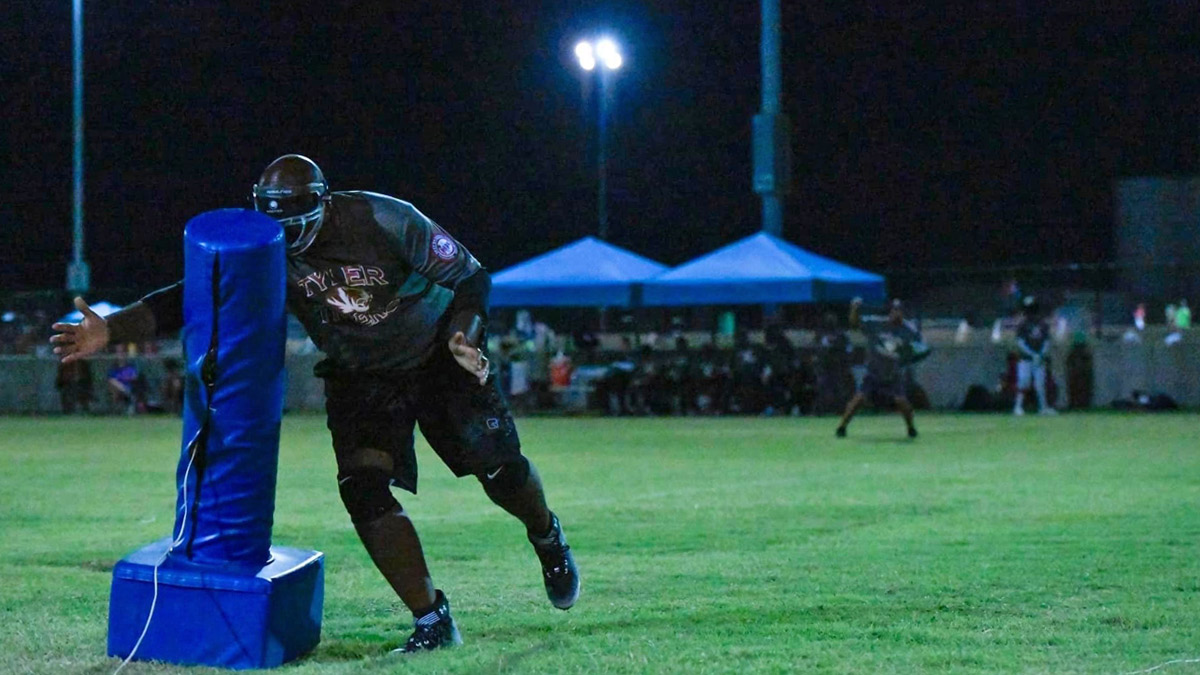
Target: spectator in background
{"type": "Point", "coordinates": [963, 332]}
{"type": "Point", "coordinates": [587, 343]}
{"type": "Point", "coordinates": [524, 325]}
{"type": "Point", "coordinates": [74, 384]}
{"type": "Point", "coordinates": [613, 390]}
{"type": "Point", "coordinates": [542, 350]}
{"type": "Point", "coordinates": [835, 381]}
{"type": "Point", "coordinates": [713, 381]}
{"type": "Point", "coordinates": [1033, 343]}
{"type": "Point", "coordinates": [1010, 296]}
{"type": "Point", "coordinates": [642, 382]}
{"type": "Point", "coordinates": [746, 370]}
{"type": "Point", "coordinates": [1139, 324]}
{"type": "Point", "coordinates": [124, 385]}
{"type": "Point", "coordinates": [172, 387]}
{"type": "Point", "coordinates": [518, 376]}
{"type": "Point", "coordinates": [802, 383]}
{"type": "Point", "coordinates": [654, 384]}
{"type": "Point", "coordinates": [1179, 319]}
{"type": "Point", "coordinates": [777, 374]}
{"type": "Point", "coordinates": [1010, 302]}
{"type": "Point", "coordinates": [8, 331]}
{"type": "Point", "coordinates": [27, 337]}
{"type": "Point", "coordinates": [679, 378]}
{"type": "Point", "coordinates": [1080, 373]}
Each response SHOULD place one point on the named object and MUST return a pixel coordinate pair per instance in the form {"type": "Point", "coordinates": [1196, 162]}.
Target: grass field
{"type": "Point", "coordinates": [990, 544]}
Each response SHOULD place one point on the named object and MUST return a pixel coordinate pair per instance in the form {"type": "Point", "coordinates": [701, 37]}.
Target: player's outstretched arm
{"type": "Point", "coordinates": [74, 341]}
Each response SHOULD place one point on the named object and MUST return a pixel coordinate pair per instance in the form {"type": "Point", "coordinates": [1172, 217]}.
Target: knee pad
{"type": "Point", "coordinates": [506, 477]}
{"type": "Point", "coordinates": [366, 494]}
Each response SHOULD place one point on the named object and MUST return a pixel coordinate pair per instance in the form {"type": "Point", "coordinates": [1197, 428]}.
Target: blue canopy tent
{"type": "Point", "coordinates": [761, 269]}
{"type": "Point", "coordinates": [585, 273]}
{"type": "Point", "coordinates": [102, 308]}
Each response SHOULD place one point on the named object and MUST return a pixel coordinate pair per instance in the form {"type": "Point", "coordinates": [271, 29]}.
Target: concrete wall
{"type": "Point", "coordinates": [1118, 369]}
{"type": "Point", "coordinates": [27, 382]}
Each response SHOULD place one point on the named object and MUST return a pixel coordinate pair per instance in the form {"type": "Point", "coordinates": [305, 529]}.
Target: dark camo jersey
{"type": "Point", "coordinates": [372, 289]}
{"type": "Point", "coordinates": [1032, 337]}
{"type": "Point", "coordinates": [892, 347]}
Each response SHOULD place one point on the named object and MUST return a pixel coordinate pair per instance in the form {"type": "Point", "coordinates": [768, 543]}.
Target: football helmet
{"type": "Point", "coordinates": [293, 191]}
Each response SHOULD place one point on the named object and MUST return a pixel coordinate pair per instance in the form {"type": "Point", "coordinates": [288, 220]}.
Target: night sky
{"type": "Point", "coordinates": [986, 134]}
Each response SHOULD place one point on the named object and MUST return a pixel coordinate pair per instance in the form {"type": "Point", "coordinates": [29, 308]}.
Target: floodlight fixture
{"type": "Point", "coordinates": [586, 55]}
{"type": "Point", "coordinates": [590, 55]}
{"type": "Point", "coordinates": [606, 51]}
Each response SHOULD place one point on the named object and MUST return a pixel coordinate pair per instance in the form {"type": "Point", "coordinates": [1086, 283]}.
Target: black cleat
{"type": "Point", "coordinates": [434, 630]}
{"type": "Point", "coordinates": [558, 566]}
{"type": "Point", "coordinates": [841, 432]}
{"type": "Point", "coordinates": [912, 432]}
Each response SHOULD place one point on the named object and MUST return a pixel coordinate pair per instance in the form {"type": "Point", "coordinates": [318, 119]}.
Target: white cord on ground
{"type": "Point", "coordinates": [177, 540]}
{"type": "Point", "coordinates": [1162, 665]}
{"type": "Point", "coordinates": [145, 628]}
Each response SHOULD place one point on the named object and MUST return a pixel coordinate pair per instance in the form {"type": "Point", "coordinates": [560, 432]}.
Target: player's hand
{"type": "Point", "coordinates": [74, 341]}
{"type": "Point", "coordinates": [471, 358]}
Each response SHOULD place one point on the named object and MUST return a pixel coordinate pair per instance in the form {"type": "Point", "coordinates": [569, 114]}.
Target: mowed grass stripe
{"type": "Point", "coordinates": [990, 544]}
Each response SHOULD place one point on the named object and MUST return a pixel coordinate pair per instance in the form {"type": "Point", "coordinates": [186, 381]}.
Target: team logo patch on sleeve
{"type": "Point", "coordinates": [444, 247]}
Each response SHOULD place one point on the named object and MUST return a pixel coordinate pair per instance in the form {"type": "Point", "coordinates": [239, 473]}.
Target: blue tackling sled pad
{"type": "Point", "coordinates": [221, 594]}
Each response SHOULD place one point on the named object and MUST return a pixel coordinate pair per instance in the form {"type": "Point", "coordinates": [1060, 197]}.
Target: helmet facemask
{"type": "Point", "coordinates": [299, 211]}
{"type": "Point", "coordinates": [293, 191]}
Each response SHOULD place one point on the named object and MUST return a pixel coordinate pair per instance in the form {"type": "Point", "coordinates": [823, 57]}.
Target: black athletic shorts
{"type": "Point", "coordinates": [469, 426]}
{"type": "Point", "coordinates": [883, 389]}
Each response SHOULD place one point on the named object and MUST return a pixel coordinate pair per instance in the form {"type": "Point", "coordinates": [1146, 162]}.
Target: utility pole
{"type": "Point", "coordinates": [602, 153]}
{"type": "Point", "coordinates": [78, 274]}
{"type": "Point", "coordinates": [772, 154]}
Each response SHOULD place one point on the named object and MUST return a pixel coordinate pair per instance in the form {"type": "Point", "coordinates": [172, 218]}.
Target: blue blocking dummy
{"type": "Point", "coordinates": [222, 595]}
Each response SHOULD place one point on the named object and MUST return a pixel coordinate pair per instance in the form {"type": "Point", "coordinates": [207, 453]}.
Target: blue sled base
{"type": "Point", "coordinates": [216, 615]}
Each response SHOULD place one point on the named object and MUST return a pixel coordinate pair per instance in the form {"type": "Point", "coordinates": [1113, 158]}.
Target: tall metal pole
{"type": "Point", "coordinates": [771, 156]}
{"type": "Point", "coordinates": [769, 53]}
{"type": "Point", "coordinates": [78, 274]}
{"type": "Point", "coordinates": [602, 152]}
{"type": "Point", "coordinates": [772, 209]}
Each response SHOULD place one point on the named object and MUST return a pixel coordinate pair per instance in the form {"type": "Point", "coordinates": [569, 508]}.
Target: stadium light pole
{"type": "Point", "coordinates": [78, 273]}
{"type": "Point", "coordinates": [771, 144]}
{"type": "Point", "coordinates": [604, 57]}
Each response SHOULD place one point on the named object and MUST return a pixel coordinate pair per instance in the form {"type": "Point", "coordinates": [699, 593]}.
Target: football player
{"type": "Point", "coordinates": [1033, 341]}
{"type": "Point", "coordinates": [893, 345]}
{"type": "Point", "coordinates": [398, 306]}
